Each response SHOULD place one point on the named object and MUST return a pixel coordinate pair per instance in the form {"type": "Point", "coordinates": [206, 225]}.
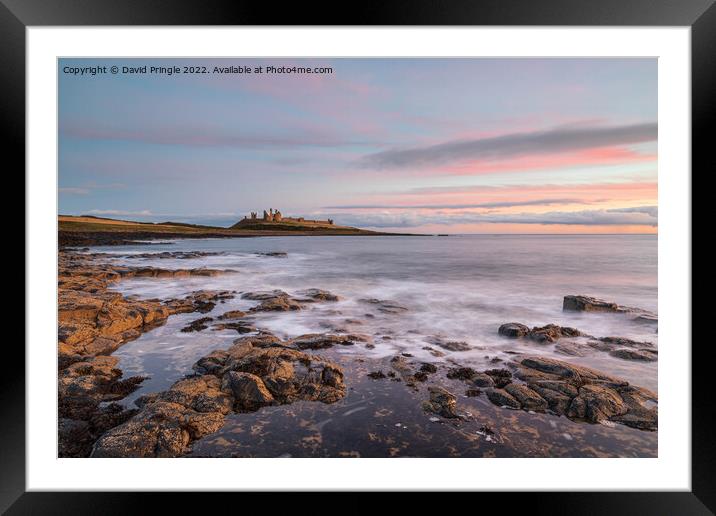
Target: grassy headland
{"type": "Point", "coordinates": [87, 230]}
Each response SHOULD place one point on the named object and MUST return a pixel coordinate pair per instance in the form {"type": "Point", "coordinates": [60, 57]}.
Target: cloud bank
{"type": "Point", "coordinates": [637, 216]}
{"type": "Point", "coordinates": [560, 140]}
{"type": "Point", "coordinates": [488, 205]}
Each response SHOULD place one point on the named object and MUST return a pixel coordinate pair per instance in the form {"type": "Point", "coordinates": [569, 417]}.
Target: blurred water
{"type": "Point", "coordinates": [457, 287]}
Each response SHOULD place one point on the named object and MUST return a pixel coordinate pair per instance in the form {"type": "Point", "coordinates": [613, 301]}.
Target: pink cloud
{"type": "Point", "coordinates": [604, 156]}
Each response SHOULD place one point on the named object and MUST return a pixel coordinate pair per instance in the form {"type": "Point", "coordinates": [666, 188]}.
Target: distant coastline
{"type": "Point", "coordinates": [88, 230]}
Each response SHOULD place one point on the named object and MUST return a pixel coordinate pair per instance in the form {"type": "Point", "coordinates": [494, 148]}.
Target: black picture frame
{"type": "Point", "coordinates": [17, 15]}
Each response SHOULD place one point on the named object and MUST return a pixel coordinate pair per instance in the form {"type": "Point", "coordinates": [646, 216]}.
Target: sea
{"type": "Point", "coordinates": [457, 288]}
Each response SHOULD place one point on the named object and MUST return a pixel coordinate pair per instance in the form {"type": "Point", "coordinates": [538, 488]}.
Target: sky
{"type": "Point", "coordinates": [441, 145]}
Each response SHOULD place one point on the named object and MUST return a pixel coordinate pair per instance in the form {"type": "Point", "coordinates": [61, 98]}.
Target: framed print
{"type": "Point", "coordinates": [442, 250]}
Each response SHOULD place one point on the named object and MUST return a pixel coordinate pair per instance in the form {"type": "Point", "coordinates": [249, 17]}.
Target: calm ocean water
{"type": "Point", "coordinates": [456, 288]}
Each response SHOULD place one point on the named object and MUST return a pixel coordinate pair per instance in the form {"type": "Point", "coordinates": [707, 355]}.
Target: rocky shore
{"type": "Point", "coordinates": [92, 323]}
{"type": "Point", "coordinates": [261, 373]}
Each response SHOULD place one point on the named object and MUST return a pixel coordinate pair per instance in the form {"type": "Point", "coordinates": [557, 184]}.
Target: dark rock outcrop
{"type": "Point", "coordinates": [449, 345]}
{"type": "Point", "coordinates": [502, 398]}
{"type": "Point", "coordinates": [552, 332]}
{"type": "Point", "coordinates": [542, 334]}
{"type": "Point", "coordinates": [442, 402]}
{"type": "Point", "coordinates": [92, 323]}
{"type": "Point", "coordinates": [513, 330]}
{"type": "Point", "coordinates": [254, 372]}
{"type": "Point", "coordinates": [572, 348]}
{"type": "Point", "coordinates": [588, 304]}
{"type": "Point", "coordinates": [197, 324]}
{"type": "Point", "coordinates": [592, 304]}
{"type": "Point", "coordinates": [482, 380]}
{"type": "Point", "coordinates": [582, 393]}
{"type": "Point", "coordinates": [316, 294]}
{"type": "Point", "coordinates": [645, 355]}
{"type": "Point", "coordinates": [386, 307]}
{"type": "Point", "coordinates": [461, 373]}
{"type": "Point", "coordinates": [232, 314]}
{"type": "Point", "coordinates": [324, 340]}
{"type": "Point", "coordinates": [280, 301]}
{"type": "Point", "coordinates": [618, 347]}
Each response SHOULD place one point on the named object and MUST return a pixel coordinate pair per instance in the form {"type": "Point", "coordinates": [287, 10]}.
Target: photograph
{"type": "Point", "coordinates": [359, 257]}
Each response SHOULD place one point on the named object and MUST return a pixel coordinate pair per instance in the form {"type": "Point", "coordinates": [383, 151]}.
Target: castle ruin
{"type": "Point", "coordinates": [276, 216]}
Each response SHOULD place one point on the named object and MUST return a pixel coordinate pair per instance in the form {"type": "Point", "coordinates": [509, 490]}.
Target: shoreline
{"type": "Point", "coordinates": [229, 384]}
{"type": "Point", "coordinates": [75, 239]}
{"type": "Point", "coordinates": [82, 231]}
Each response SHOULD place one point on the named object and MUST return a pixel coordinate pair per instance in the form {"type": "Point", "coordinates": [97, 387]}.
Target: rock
{"type": "Point", "coordinates": [615, 342]}
{"type": "Point", "coordinates": [571, 348]}
{"type": "Point", "coordinates": [82, 386]}
{"type": "Point", "coordinates": [554, 367]}
{"type": "Point", "coordinates": [502, 398]}
{"type": "Point", "coordinates": [596, 403]}
{"type": "Point", "coordinates": [586, 394]}
{"type": "Point", "coordinates": [600, 345]}
{"type": "Point", "coordinates": [316, 294]}
{"type": "Point", "coordinates": [591, 304]}
{"type": "Point", "coordinates": [399, 363]}
{"type": "Point", "coordinates": [529, 399]}
{"type": "Point", "coordinates": [377, 375]}
{"type": "Point", "coordinates": [232, 314]}
{"type": "Point", "coordinates": [74, 437]}
{"type": "Point", "coordinates": [202, 301]}
{"type": "Point", "coordinates": [434, 352]}
{"type": "Point", "coordinates": [420, 376]}
{"type": "Point", "coordinates": [442, 402]}
{"type": "Point", "coordinates": [277, 304]}
{"type": "Point", "coordinates": [483, 380]}
{"type": "Point", "coordinates": [409, 371]}
{"type": "Point", "coordinates": [263, 295]}
{"type": "Point", "coordinates": [244, 377]}
{"type": "Point", "coordinates": [92, 323]}
{"type": "Point", "coordinates": [500, 377]}
{"type": "Point", "coordinates": [272, 301]}
{"type": "Point", "coordinates": [461, 373]}
{"type": "Point", "coordinates": [248, 390]}
{"type": "Point", "coordinates": [588, 304]}
{"type": "Point", "coordinates": [542, 334]}
{"type": "Point", "coordinates": [238, 326]}
{"type": "Point", "coordinates": [323, 341]}
{"type": "Point", "coordinates": [198, 393]}
{"type": "Point", "coordinates": [274, 254]}
{"type": "Point", "coordinates": [473, 393]}
{"type": "Point", "coordinates": [429, 368]}
{"type": "Point", "coordinates": [290, 375]}
{"type": "Point", "coordinates": [213, 363]}
{"type": "Point", "coordinates": [557, 401]}
{"type": "Point", "coordinates": [645, 355]}
{"type": "Point", "coordinates": [175, 255]}
{"type": "Point", "coordinates": [263, 340]}
{"type": "Point", "coordinates": [161, 432]}
{"type": "Point", "coordinates": [625, 348]}
{"type": "Point", "coordinates": [197, 325]}
{"type": "Point", "coordinates": [646, 318]}
{"type": "Point", "coordinates": [154, 272]}
{"type": "Point", "coordinates": [448, 345]}
{"type": "Point", "coordinates": [388, 307]}
{"type": "Point", "coordinates": [552, 332]}
{"type": "Point", "coordinates": [513, 330]}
